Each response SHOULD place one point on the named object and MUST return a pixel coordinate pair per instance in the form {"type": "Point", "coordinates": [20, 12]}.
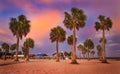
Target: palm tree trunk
{"type": "Point", "coordinates": [57, 53]}
{"type": "Point", "coordinates": [88, 56]}
{"type": "Point", "coordinates": [103, 48]}
{"type": "Point", "coordinates": [71, 49]}
{"type": "Point", "coordinates": [27, 58]}
{"type": "Point", "coordinates": [16, 59]}
{"type": "Point", "coordinates": [74, 46]}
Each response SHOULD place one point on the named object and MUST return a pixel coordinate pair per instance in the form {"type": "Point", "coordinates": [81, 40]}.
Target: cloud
{"type": "Point", "coordinates": [116, 24]}
{"type": "Point", "coordinates": [113, 44]}
{"type": "Point", "coordinates": [42, 23]}
{"type": "Point", "coordinates": [2, 31]}
{"type": "Point", "coordinates": [53, 1]}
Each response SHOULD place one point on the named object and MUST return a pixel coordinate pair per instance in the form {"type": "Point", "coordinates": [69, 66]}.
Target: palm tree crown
{"type": "Point", "coordinates": [76, 18]}
{"type": "Point", "coordinates": [20, 26]}
{"type": "Point", "coordinates": [89, 44]}
{"type": "Point", "coordinates": [13, 47]}
{"type": "Point", "coordinates": [29, 43]}
{"type": "Point", "coordinates": [57, 33]}
{"type": "Point", "coordinates": [5, 46]}
{"type": "Point", "coordinates": [103, 23]}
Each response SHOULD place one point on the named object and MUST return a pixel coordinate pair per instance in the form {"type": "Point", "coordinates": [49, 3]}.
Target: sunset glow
{"type": "Point", "coordinates": [46, 14]}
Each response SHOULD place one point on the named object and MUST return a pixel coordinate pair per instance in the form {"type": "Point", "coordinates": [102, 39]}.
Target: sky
{"type": "Point", "coordinates": [47, 14]}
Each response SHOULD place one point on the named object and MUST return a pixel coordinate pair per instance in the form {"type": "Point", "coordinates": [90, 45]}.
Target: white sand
{"type": "Point", "coordinates": [63, 67]}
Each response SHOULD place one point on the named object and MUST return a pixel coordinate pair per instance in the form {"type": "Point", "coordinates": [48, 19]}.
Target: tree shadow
{"type": "Point", "coordinates": [10, 63]}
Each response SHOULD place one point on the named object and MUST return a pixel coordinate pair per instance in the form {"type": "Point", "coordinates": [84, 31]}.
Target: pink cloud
{"type": "Point", "coordinates": [42, 22]}
{"type": "Point", "coordinates": [52, 1]}
{"type": "Point", "coordinates": [2, 31]}
{"type": "Point", "coordinates": [7, 39]}
{"type": "Point", "coordinates": [116, 25]}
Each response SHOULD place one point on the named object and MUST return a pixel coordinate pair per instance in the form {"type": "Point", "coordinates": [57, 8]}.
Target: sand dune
{"type": "Point", "coordinates": [40, 66]}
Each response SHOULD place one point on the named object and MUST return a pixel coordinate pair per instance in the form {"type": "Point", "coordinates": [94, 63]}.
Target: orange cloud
{"type": "Point", "coordinates": [42, 23]}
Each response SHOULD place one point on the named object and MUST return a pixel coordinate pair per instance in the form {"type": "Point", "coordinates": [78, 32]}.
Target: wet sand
{"type": "Point", "coordinates": [40, 66]}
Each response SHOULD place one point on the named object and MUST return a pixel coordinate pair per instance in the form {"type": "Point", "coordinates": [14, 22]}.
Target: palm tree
{"type": "Point", "coordinates": [92, 53]}
{"type": "Point", "coordinates": [29, 43]}
{"type": "Point", "coordinates": [82, 49]}
{"type": "Point", "coordinates": [73, 21]}
{"type": "Point", "coordinates": [103, 24]}
{"type": "Point", "coordinates": [70, 42]}
{"type": "Point", "coordinates": [59, 35]}
{"type": "Point", "coordinates": [20, 27]}
{"type": "Point", "coordinates": [5, 46]}
{"type": "Point", "coordinates": [99, 49]}
{"type": "Point", "coordinates": [13, 47]}
{"type": "Point", "coordinates": [89, 45]}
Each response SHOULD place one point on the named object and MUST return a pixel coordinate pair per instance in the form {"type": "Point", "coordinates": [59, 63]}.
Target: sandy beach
{"type": "Point", "coordinates": [40, 66]}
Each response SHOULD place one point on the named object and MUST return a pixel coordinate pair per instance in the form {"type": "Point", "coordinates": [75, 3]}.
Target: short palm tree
{"type": "Point", "coordinates": [73, 21]}
{"type": "Point", "coordinates": [89, 45]}
{"type": "Point", "coordinates": [12, 48]}
{"type": "Point", "coordinates": [82, 49]}
{"type": "Point", "coordinates": [92, 53]}
{"type": "Point", "coordinates": [5, 46]}
{"type": "Point", "coordinates": [29, 43]}
{"type": "Point", "coordinates": [59, 35]}
{"type": "Point", "coordinates": [99, 49]}
{"type": "Point", "coordinates": [103, 24]}
{"type": "Point", "coordinates": [20, 27]}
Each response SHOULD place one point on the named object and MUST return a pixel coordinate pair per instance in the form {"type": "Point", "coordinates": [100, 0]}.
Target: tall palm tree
{"type": "Point", "coordinates": [5, 46]}
{"type": "Point", "coordinates": [20, 27]}
{"type": "Point", "coordinates": [70, 42]}
{"type": "Point", "coordinates": [29, 43]}
{"type": "Point", "coordinates": [73, 21]}
{"type": "Point", "coordinates": [103, 24]}
{"type": "Point", "coordinates": [59, 35]}
{"type": "Point", "coordinates": [89, 45]}
{"type": "Point", "coordinates": [99, 49]}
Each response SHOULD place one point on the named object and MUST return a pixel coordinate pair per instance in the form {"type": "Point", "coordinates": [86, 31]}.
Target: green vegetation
{"type": "Point", "coordinates": [74, 21]}
{"type": "Point", "coordinates": [29, 43]}
{"type": "Point", "coordinates": [87, 48]}
{"type": "Point", "coordinates": [103, 24]}
{"type": "Point", "coordinates": [59, 35]}
{"type": "Point", "coordinates": [5, 48]}
{"type": "Point", "coordinates": [19, 27]}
